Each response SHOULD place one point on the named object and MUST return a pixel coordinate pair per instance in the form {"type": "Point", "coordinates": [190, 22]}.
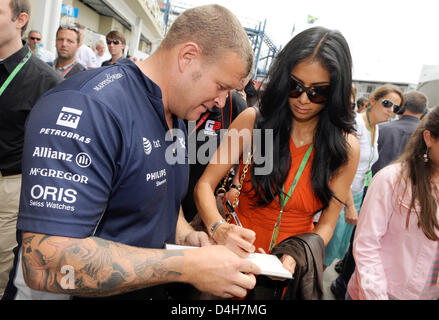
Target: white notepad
{"type": "Point", "coordinates": [270, 264]}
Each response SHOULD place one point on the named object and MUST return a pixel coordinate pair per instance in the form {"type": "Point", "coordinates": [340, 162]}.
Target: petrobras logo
{"type": "Point", "coordinates": [58, 174]}
{"type": "Point", "coordinates": [65, 134]}
{"type": "Point", "coordinates": [69, 117]}
{"type": "Point", "coordinates": [147, 146]}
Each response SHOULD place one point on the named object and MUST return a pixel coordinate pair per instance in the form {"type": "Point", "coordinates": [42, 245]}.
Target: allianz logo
{"type": "Point", "coordinates": [83, 160]}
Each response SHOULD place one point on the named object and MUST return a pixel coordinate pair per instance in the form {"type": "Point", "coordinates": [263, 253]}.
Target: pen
{"type": "Point", "coordinates": [233, 213]}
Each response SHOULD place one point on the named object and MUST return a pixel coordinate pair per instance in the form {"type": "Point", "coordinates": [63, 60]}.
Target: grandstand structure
{"type": "Point", "coordinates": [263, 47]}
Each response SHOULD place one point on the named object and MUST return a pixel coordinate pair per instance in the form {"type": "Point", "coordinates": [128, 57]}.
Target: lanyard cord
{"type": "Point", "coordinates": [15, 72]}
{"type": "Point", "coordinates": [68, 69]}
{"type": "Point", "coordinates": [284, 200]}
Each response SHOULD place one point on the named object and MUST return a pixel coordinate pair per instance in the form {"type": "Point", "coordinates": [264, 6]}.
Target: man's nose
{"type": "Point", "coordinates": [221, 99]}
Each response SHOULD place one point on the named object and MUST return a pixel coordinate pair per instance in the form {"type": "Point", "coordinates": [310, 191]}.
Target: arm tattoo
{"type": "Point", "coordinates": [101, 267]}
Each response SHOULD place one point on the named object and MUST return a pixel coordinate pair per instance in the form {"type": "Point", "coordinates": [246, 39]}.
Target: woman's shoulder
{"type": "Point", "coordinates": [353, 142]}
{"type": "Point", "coordinates": [246, 119]}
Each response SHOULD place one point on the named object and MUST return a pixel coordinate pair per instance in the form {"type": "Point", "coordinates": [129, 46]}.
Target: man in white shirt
{"type": "Point", "coordinates": [85, 55]}
{"type": "Point", "coordinates": [34, 39]}
{"type": "Point", "coordinates": [101, 52]}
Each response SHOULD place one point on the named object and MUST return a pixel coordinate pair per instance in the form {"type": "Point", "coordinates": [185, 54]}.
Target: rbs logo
{"type": "Point", "coordinates": [69, 117]}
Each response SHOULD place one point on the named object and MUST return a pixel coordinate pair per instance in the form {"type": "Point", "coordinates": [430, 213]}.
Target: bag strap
{"type": "Point", "coordinates": [247, 163]}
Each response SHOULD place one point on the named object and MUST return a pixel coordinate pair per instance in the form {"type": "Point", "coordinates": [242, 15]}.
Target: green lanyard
{"type": "Point", "coordinates": [15, 72]}
{"type": "Point", "coordinates": [368, 175]}
{"type": "Point", "coordinates": [284, 201]}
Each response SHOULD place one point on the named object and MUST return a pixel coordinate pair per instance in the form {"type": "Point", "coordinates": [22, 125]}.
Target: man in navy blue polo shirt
{"type": "Point", "coordinates": [105, 169]}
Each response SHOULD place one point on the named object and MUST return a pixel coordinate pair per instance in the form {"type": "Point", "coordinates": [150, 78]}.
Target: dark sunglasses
{"type": "Point", "coordinates": [35, 39]}
{"type": "Point", "coordinates": [388, 104]}
{"type": "Point", "coordinates": [115, 42]}
{"type": "Point", "coordinates": [317, 94]}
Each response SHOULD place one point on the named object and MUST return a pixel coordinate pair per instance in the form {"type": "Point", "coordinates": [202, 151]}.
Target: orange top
{"type": "Point", "coordinates": [297, 217]}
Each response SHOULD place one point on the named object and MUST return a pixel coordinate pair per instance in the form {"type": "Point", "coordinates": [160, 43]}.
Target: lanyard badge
{"type": "Point", "coordinates": [368, 178]}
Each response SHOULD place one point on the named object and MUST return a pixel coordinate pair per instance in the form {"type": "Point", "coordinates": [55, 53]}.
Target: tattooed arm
{"type": "Point", "coordinates": [105, 268]}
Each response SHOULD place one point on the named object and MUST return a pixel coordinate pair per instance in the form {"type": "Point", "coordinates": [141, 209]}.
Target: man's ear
{"type": "Point", "coordinates": [187, 55]}
{"type": "Point", "coordinates": [21, 20]}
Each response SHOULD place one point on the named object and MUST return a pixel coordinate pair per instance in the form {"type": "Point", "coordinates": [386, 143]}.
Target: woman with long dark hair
{"type": "Point", "coordinates": [306, 110]}
{"type": "Point", "coordinates": [396, 244]}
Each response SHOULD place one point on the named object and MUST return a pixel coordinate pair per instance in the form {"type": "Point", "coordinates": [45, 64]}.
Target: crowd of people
{"type": "Point", "coordinates": [73, 55]}
{"type": "Point", "coordinates": [101, 167]}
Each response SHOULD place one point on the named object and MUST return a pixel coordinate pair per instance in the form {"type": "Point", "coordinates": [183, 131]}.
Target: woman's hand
{"type": "Point", "coordinates": [288, 263]}
{"type": "Point", "coordinates": [351, 215]}
{"type": "Point", "coordinates": [237, 239]}
{"type": "Point", "coordinates": [197, 239]}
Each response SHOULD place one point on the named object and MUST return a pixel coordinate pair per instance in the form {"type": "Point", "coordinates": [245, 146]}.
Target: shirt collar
{"type": "Point", "coordinates": [12, 61]}
{"type": "Point", "coordinates": [65, 67]}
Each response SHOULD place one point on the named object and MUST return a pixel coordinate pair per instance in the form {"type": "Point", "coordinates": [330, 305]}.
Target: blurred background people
{"type": "Point", "coordinates": [18, 94]}
{"type": "Point", "coordinates": [101, 52]}
{"type": "Point", "coordinates": [34, 40]}
{"type": "Point", "coordinates": [67, 44]}
{"type": "Point", "coordinates": [361, 104]}
{"type": "Point", "coordinates": [381, 105]}
{"type": "Point", "coordinates": [116, 45]}
{"type": "Point", "coordinates": [396, 246]}
{"type": "Point", "coordinates": [395, 135]}
{"type": "Point", "coordinates": [84, 54]}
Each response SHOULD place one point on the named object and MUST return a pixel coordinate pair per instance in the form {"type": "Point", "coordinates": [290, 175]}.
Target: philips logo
{"type": "Point", "coordinates": [69, 117]}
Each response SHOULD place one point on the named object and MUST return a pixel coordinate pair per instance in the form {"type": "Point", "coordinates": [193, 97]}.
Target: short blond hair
{"type": "Point", "coordinates": [215, 29]}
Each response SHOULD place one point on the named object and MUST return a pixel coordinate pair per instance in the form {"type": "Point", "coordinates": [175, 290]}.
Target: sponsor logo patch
{"type": "Point", "coordinates": [69, 117]}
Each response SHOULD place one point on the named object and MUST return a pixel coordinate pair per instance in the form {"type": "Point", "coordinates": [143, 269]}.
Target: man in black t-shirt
{"type": "Point", "coordinates": [209, 130]}
{"type": "Point", "coordinates": [23, 79]}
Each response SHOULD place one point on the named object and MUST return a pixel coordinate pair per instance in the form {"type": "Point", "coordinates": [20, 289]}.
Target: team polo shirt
{"type": "Point", "coordinates": [99, 160]}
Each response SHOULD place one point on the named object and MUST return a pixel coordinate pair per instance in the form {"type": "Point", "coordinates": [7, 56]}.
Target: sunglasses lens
{"type": "Point", "coordinates": [296, 90]}
{"type": "Point", "coordinates": [315, 95]}
{"type": "Point", "coordinates": [319, 94]}
{"type": "Point", "coordinates": [387, 103]}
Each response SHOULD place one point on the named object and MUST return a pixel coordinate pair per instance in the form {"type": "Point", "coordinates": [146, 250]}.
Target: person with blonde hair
{"type": "Point", "coordinates": [381, 106]}
{"type": "Point", "coordinates": [396, 245]}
